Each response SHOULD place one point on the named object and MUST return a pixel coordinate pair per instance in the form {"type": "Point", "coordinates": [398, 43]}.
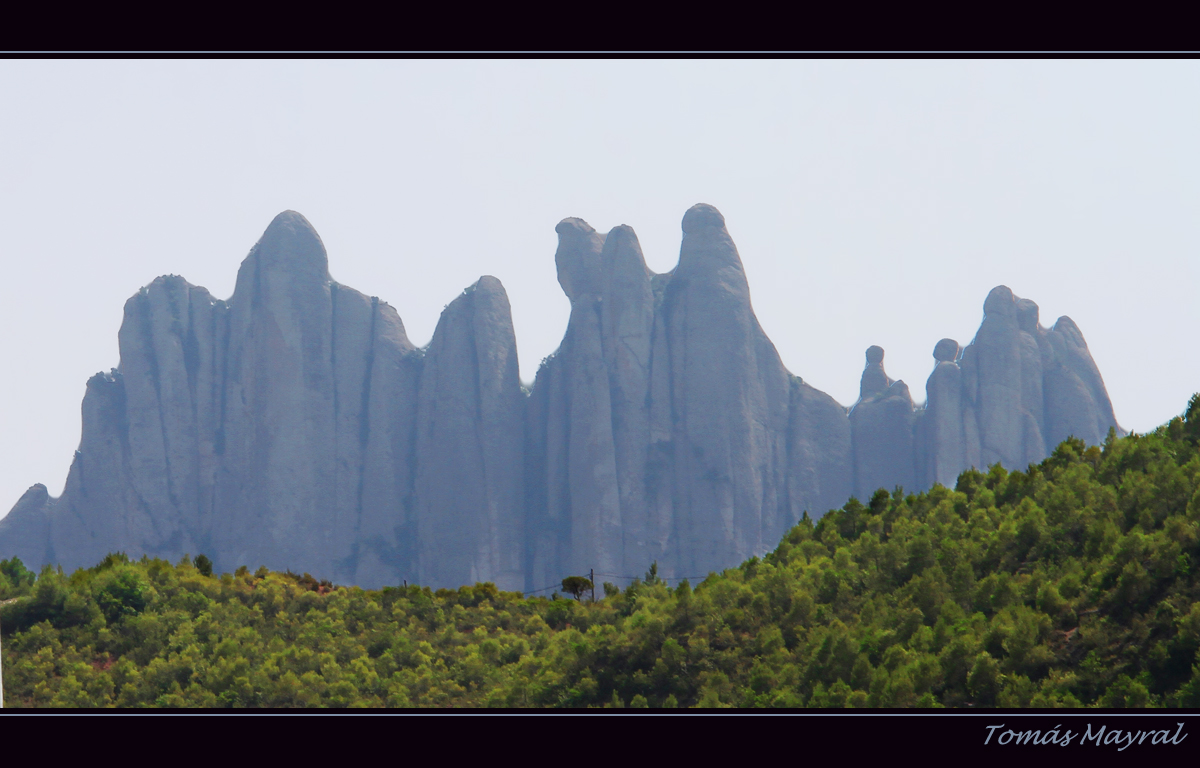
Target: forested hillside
{"type": "Point", "coordinates": [1072, 584]}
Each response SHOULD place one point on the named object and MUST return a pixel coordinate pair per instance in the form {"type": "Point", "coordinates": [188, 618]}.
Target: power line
{"type": "Point", "coordinates": [595, 573]}
{"type": "Point", "coordinates": [543, 589]}
{"type": "Point", "coordinates": [617, 576]}
{"type": "Point", "coordinates": [660, 578]}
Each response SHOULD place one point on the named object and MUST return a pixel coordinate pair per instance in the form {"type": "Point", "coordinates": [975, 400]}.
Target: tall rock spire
{"type": "Point", "coordinates": [1005, 417]}
{"type": "Point", "coordinates": [882, 424]}
{"type": "Point", "coordinates": [470, 439]}
{"type": "Point", "coordinates": [590, 407]}
{"type": "Point", "coordinates": [944, 440]}
{"type": "Point", "coordinates": [279, 421]}
{"type": "Point", "coordinates": [665, 428]}
{"type": "Point", "coordinates": [730, 396]}
{"type": "Point", "coordinates": [1018, 390]}
{"type": "Point", "coordinates": [1029, 388]}
{"type": "Point", "coordinates": [1077, 401]}
{"type": "Point", "coordinates": [386, 543]}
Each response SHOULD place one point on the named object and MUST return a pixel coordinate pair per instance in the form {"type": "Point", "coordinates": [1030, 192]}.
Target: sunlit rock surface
{"type": "Point", "coordinates": [295, 426]}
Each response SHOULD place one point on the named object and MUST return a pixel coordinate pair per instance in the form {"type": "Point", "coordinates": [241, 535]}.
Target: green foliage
{"type": "Point", "coordinates": [125, 594]}
{"type": "Point", "coordinates": [1072, 583]}
{"type": "Point", "coordinates": [15, 579]}
{"type": "Point", "coordinates": [576, 586]}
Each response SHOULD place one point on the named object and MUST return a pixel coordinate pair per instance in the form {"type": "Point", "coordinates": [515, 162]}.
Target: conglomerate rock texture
{"type": "Point", "coordinates": [295, 425]}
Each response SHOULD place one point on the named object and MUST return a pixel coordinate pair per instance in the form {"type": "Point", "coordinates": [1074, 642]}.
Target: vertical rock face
{"type": "Point", "coordinates": [1009, 397]}
{"type": "Point", "coordinates": [470, 435]}
{"type": "Point", "coordinates": [1031, 388]}
{"type": "Point", "coordinates": [821, 454]}
{"type": "Point", "coordinates": [1075, 398]}
{"type": "Point", "coordinates": [1004, 413]}
{"type": "Point", "coordinates": [1012, 395]}
{"type": "Point", "coordinates": [665, 428]}
{"type": "Point", "coordinates": [730, 396]}
{"type": "Point", "coordinates": [627, 333]}
{"type": "Point", "coordinates": [387, 523]}
{"type": "Point", "coordinates": [589, 412]}
{"type": "Point", "coordinates": [295, 425]}
{"type": "Point", "coordinates": [584, 496]}
{"type": "Point", "coordinates": [145, 464]}
{"type": "Point", "coordinates": [281, 410]}
{"type": "Point", "coordinates": [26, 529]}
{"type": "Point", "coordinates": [945, 434]}
{"type": "Point", "coordinates": [882, 424]}
{"type": "Point", "coordinates": [243, 429]}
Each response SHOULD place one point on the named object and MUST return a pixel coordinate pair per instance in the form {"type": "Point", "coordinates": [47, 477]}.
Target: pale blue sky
{"type": "Point", "coordinates": [872, 202]}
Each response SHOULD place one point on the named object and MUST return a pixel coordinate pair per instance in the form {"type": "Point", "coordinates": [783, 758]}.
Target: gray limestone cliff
{"type": "Point", "coordinates": [882, 424]}
{"type": "Point", "coordinates": [1009, 397]}
{"type": "Point", "coordinates": [666, 427]}
{"type": "Point", "coordinates": [296, 426]}
{"type": "Point", "coordinates": [281, 428]}
{"type": "Point", "coordinates": [469, 450]}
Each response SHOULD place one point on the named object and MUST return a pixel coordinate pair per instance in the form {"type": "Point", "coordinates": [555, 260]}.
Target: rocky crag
{"type": "Point", "coordinates": [296, 426]}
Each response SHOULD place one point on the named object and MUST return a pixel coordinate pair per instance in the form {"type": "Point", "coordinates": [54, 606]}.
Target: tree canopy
{"type": "Point", "coordinates": [576, 586]}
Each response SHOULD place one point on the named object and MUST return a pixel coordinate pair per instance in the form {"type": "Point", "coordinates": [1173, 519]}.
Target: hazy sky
{"type": "Point", "coordinates": [872, 202]}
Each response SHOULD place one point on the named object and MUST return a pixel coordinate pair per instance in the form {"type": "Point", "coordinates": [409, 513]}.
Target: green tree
{"type": "Point", "coordinates": [124, 594]}
{"type": "Point", "coordinates": [576, 586]}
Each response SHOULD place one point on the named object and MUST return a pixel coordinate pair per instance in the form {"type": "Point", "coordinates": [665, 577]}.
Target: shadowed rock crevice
{"type": "Point", "coordinates": [296, 426]}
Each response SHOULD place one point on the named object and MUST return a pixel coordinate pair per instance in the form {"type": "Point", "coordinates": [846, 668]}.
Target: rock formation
{"type": "Point", "coordinates": [281, 428]}
{"type": "Point", "coordinates": [470, 435]}
{"type": "Point", "coordinates": [1024, 388]}
{"type": "Point", "coordinates": [666, 427]}
{"type": "Point", "coordinates": [1009, 397]}
{"type": "Point", "coordinates": [944, 440]}
{"type": "Point", "coordinates": [295, 425]}
{"type": "Point", "coordinates": [881, 428]}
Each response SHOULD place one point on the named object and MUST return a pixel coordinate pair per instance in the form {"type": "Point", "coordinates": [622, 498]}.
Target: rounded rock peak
{"type": "Point", "coordinates": [289, 215]}
{"type": "Point", "coordinates": [577, 256]}
{"type": "Point", "coordinates": [702, 215]}
{"type": "Point", "coordinates": [874, 355]}
{"type": "Point", "coordinates": [573, 226]}
{"type": "Point", "coordinates": [1065, 323]}
{"type": "Point", "coordinates": [489, 284]}
{"type": "Point", "coordinates": [621, 236]}
{"type": "Point", "coordinates": [999, 300]}
{"type": "Point", "coordinates": [946, 350]}
{"type": "Point", "coordinates": [36, 491]}
{"type": "Point", "coordinates": [290, 242]}
{"type": "Point", "coordinates": [291, 222]}
{"type": "Point", "coordinates": [1027, 315]}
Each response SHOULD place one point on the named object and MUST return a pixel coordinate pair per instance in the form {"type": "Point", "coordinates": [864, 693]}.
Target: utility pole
{"type": "Point", "coordinates": [592, 578]}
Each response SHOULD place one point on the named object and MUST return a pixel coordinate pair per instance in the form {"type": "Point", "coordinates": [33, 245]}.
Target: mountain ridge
{"type": "Point", "coordinates": [294, 425]}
